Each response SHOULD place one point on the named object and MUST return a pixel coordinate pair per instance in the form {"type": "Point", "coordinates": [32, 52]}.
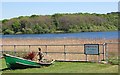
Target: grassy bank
{"type": "Point", "coordinates": [67, 67]}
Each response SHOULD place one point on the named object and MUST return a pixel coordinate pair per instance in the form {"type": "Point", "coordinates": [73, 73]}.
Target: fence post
{"type": "Point", "coordinates": [98, 58]}
{"type": "Point", "coordinates": [103, 51]}
{"type": "Point", "coordinates": [64, 53]}
{"type": "Point", "coordinates": [1, 52]}
{"type": "Point", "coordinates": [2, 49]}
{"type": "Point", "coordinates": [86, 57]}
{"type": "Point", "coordinates": [106, 53]}
{"type": "Point", "coordinates": [46, 49]}
{"type": "Point", "coordinates": [29, 48]}
{"type": "Point", "coordinates": [15, 50]}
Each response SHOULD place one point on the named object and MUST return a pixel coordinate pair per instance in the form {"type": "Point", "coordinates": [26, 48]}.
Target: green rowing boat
{"type": "Point", "coordinates": [14, 62]}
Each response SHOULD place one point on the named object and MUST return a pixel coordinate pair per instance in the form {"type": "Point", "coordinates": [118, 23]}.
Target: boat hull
{"type": "Point", "coordinates": [13, 62]}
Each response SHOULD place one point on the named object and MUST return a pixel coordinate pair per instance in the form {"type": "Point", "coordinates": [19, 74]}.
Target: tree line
{"type": "Point", "coordinates": [60, 23]}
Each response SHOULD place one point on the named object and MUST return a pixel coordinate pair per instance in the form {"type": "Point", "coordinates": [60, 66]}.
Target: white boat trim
{"type": "Point", "coordinates": [20, 58]}
{"type": "Point", "coordinates": [26, 64]}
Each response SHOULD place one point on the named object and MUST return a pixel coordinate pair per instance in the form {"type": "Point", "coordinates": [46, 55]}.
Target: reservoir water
{"type": "Point", "coordinates": [81, 35]}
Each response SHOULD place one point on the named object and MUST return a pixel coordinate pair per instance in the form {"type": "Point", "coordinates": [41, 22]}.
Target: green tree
{"type": "Point", "coordinates": [38, 29]}
{"type": "Point", "coordinates": [16, 26]}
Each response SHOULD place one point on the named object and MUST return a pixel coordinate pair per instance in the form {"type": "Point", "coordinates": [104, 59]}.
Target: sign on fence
{"type": "Point", "coordinates": [91, 49]}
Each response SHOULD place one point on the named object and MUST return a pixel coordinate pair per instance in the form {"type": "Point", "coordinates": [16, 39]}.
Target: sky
{"type": "Point", "coordinates": [16, 9]}
{"type": "Point", "coordinates": [59, 0]}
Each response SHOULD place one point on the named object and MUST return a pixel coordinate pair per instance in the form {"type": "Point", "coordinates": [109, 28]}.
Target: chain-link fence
{"type": "Point", "coordinates": [67, 52]}
{"type": "Point", "coordinates": [62, 52]}
{"type": "Point", "coordinates": [112, 52]}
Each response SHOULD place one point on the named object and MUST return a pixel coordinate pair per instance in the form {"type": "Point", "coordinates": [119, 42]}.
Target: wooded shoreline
{"type": "Point", "coordinates": [60, 23]}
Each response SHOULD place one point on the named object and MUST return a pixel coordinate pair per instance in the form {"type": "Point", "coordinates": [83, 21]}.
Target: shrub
{"type": "Point", "coordinates": [18, 33]}
{"type": "Point", "coordinates": [30, 56]}
{"type": "Point", "coordinates": [29, 31]}
{"type": "Point", "coordinates": [113, 61]}
{"type": "Point", "coordinates": [8, 31]}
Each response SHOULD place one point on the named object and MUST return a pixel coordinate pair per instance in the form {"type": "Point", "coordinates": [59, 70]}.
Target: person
{"type": "Point", "coordinates": [40, 54]}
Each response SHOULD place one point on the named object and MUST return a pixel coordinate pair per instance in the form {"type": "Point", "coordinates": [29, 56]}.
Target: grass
{"type": "Point", "coordinates": [114, 61]}
{"type": "Point", "coordinates": [67, 67]}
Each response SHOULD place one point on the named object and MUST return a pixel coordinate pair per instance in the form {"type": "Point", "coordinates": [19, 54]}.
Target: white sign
{"type": "Point", "coordinates": [91, 49]}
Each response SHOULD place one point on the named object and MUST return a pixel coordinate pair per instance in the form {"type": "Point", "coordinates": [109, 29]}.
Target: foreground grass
{"type": "Point", "coordinates": [68, 67]}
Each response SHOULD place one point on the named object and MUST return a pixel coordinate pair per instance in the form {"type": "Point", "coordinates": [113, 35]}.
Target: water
{"type": "Point", "coordinates": [82, 35]}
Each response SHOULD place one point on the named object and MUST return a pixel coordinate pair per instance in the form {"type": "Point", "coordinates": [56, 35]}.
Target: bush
{"type": "Point", "coordinates": [29, 31]}
{"type": "Point", "coordinates": [72, 30]}
{"type": "Point", "coordinates": [30, 56]}
{"type": "Point", "coordinates": [113, 61]}
{"type": "Point", "coordinates": [18, 33]}
{"type": "Point", "coordinates": [8, 31]}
